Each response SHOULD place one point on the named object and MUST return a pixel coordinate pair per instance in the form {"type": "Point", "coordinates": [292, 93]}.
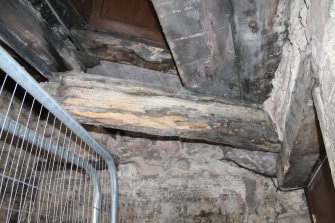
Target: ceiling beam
{"type": "Point", "coordinates": [139, 107]}
{"type": "Point", "coordinates": [125, 50]}
{"type": "Point", "coordinates": [225, 48]}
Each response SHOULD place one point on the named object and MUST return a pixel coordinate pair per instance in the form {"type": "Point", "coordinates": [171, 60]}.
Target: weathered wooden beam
{"type": "Point", "coordinates": [42, 47]}
{"type": "Point", "coordinates": [32, 45]}
{"type": "Point", "coordinates": [259, 30]}
{"type": "Point", "coordinates": [130, 72]}
{"type": "Point", "coordinates": [126, 50]}
{"type": "Point", "coordinates": [13, 42]}
{"type": "Point", "coordinates": [225, 48]}
{"type": "Point", "coordinates": [139, 107]}
{"type": "Point", "coordinates": [199, 34]}
{"type": "Point", "coordinates": [57, 13]}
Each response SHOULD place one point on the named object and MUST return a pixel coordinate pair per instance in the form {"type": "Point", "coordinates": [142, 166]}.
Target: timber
{"type": "Point", "coordinates": [33, 46]}
{"type": "Point", "coordinates": [42, 47]}
{"type": "Point", "coordinates": [125, 50]}
{"type": "Point", "coordinates": [225, 48]}
{"type": "Point", "coordinates": [138, 107]}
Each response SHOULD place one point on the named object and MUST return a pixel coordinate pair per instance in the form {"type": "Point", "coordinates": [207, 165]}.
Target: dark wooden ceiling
{"type": "Point", "coordinates": [229, 49]}
{"type": "Point", "coordinates": [132, 17]}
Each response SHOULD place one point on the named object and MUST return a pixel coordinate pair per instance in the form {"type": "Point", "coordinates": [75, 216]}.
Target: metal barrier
{"type": "Point", "coordinates": [51, 169]}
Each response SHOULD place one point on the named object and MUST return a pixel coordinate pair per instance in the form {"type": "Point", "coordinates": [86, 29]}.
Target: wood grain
{"type": "Point", "coordinates": [134, 18]}
{"type": "Point", "coordinates": [125, 50]}
{"type": "Point", "coordinates": [225, 48]}
{"type": "Point", "coordinates": [139, 107]}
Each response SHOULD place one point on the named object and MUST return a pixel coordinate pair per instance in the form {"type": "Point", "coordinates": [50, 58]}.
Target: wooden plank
{"type": "Point", "coordinates": [320, 196]}
{"type": "Point", "coordinates": [33, 46]}
{"type": "Point", "coordinates": [65, 13]}
{"type": "Point", "coordinates": [130, 72]}
{"type": "Point", "coordinates": [83, 7]}
{"type": "Point", "coordinates": [259, 35]}
{"type": "Point", "coordinates": [138, 107]}
{"type": "Point", "coordinates": [14, 43]}
{"type": "Point", "coordinates": [125, 50]}
{"type": "Point", "coordinates": [130, 17]}
{"type": "Point", "coordinates": [199, 34]}
{"type": "Point", "coordinates": [224, 48]}
{"type": "Point", "coordinates": [42, 47]}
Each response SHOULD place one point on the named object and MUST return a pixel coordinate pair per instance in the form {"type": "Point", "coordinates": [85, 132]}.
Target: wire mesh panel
{"type": "Point", "coordinates": [51, 170]}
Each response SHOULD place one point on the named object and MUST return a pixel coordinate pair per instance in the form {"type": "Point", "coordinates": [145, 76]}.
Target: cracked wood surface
{"type": "Point", "coordinates": [225, 48]}
{"type": "Point", "coordinates": [139, 107]}
{"type": "Point", "coordinates": [126, 50]}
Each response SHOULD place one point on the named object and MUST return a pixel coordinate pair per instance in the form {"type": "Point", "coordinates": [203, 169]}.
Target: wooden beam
{"type": "Point", "coordinates": [61, 13]}
{"type": "Point", "coordinates": [139, 107]}
{"type": "Point", "coordinates": [125, 50]}
{"type": "Point", "coordinates": [259, 30]}
{"type": "Point", "coordinates": [42, 47]}
{"type": "Point", "coordinates": [224, 48]}
{"type": "Point", "coordinates": [130, 72]}
{"type": "Point", "coordinates": [33, 46]}
{"type": "Point", "coordinates": [200, 37]}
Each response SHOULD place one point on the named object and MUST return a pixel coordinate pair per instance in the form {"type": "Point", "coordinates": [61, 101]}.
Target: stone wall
{"type": "Point", "coordinates": [291, 104]}
{"type": "Point", "coordinates": [308, 53]}
{"type": "Point", "coordinates": [322, 47]}
{"type": "Point", "coordinates": [171, 181]}
{"type": "Point", "coordinates": [162, 180]}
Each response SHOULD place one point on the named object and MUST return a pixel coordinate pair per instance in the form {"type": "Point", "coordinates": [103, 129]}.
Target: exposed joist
{"type": "Point", "coordinates": [224, 48]}
{"type": "Point", "coordinates": [130, 72]}
{"type": "Point", "coordinates": [200, 37]}
{"type": "Point", "coordinates": [26, 35]}
{"type": "Point", "coordinates": [259, 35]}
{"type": "Point", "coordinates": [31, 38]}
{"type": "Point", "coordinates": [126, 50]}
{"type": "Point", "coordinates": [138, 107]}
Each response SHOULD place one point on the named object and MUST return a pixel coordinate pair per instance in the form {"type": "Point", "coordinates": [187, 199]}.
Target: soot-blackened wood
{"type": "Point", "coordinates": [66, 13]}
{"type": "Point", "coordinates": [84, 7]}
{"type": "Point", "coordinates": [58, 12]}
{"type": "Point", "coordinates": [130, 72]}
{"type": "Point", "coordinates": [139, 107]}
{"type": "Point", "coordinates": [123, 49]}
{"type": "Point", "coordinates": [200, 37]}
{"type": "Point", "coordinates": [259, 35]}
{"type": "Point", "coordinates": [14, 43]}
{"type": "Point", "coordinates": [23, 31]}
{"type": "Point", "coordinates": [225, 48]}
{"type": "Point", "coordinates": [34, 40]}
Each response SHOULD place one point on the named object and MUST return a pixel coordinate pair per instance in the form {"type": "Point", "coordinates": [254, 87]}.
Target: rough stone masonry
{"type": "Point", "coordinates": [173, 181]}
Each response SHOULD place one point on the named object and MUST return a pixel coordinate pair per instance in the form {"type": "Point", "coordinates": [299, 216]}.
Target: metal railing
{"type": "Point", "coordinates": [51, 169]}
